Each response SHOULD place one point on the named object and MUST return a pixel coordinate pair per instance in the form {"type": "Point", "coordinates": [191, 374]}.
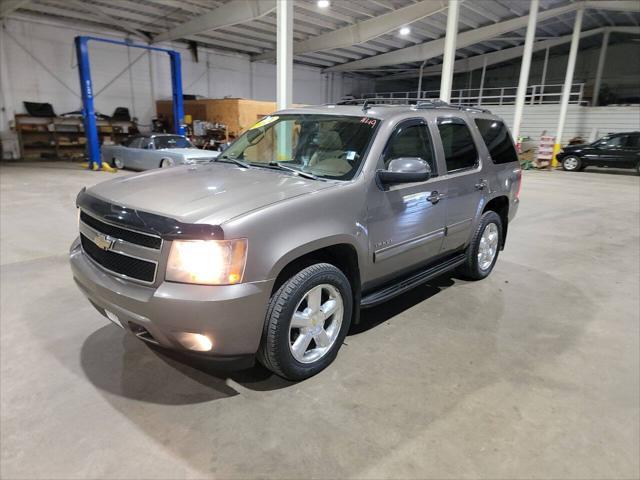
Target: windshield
{"type": "Point", "coordinates": [327, 146]}
{"type": "Point", "coordinates": [172, 141]}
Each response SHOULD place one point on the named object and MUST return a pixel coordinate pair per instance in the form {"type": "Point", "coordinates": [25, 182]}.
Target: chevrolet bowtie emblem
{"type": "Point", "coordinates": [105, 242]}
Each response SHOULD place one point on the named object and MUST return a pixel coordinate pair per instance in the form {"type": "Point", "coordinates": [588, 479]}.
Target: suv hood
{"type": "Point", "coordinates": [192, 152]}
{"type": "Point", "coordinates": [211, 193]}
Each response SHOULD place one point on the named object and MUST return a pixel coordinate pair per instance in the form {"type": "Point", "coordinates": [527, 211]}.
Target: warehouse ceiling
{"type": "Point", "coordinates": [373, 26]}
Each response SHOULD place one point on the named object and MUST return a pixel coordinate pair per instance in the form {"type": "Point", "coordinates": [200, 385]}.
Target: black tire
{"type": "Point", "coordinates": [166, 163]}
{"type": "Point", "coordinates": [116, 163]}
{"type": "Point", "coordinates": [471, 269]}
{"type": "Point", "coordinates": [638, 167]}
{"type": "Point", "coordinates": [572, 163]}
{"type": "Point", "coordinates": [275, 352]}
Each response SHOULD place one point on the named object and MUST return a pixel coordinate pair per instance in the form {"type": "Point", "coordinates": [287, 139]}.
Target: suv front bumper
{"type": "Point", "coordinates": [231, 316]}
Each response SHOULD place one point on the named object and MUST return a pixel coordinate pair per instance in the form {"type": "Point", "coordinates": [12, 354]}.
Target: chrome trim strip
{"type": "Point", "coordinates": [116, 274]}
{"type": "Point", "coordinates": [130, 249]}
{"type": "Point", "coordinates": [392, 250]}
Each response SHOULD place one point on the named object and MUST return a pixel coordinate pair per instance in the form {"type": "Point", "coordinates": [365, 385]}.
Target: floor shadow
{"type": "Point", "coordinates": [122, 365]}
{"type": "Point", "coordinates": [611, 171]}
{"type": "Point", "coordinates": [372, 317]}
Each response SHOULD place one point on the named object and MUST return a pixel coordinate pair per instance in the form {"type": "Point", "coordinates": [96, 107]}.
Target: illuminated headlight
{"type": "Point", "coordinates": [207, 262]}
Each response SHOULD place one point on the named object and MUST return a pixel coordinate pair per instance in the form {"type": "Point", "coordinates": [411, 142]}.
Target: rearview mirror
{"type": "Point", "coordinates": [405, 170]}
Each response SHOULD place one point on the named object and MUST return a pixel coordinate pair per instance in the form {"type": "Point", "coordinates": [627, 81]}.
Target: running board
{"type": "Point", "coordinates": [387, 292]}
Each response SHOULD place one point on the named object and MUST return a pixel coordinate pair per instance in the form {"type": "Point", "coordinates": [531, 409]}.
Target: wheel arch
{"type": "Point", "coordinates": [343, 255]}
{"type": "Point", "coordinates": [500, 205]}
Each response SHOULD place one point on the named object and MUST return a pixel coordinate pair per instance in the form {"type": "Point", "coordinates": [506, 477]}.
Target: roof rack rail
{"type": "Point", "coordinates": [367, 103]}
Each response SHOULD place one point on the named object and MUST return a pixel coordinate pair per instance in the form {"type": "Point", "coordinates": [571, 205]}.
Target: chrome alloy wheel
{"type": "Point", "coordinates": [119, 164]}
{"type": "Point", "coordinates": [488, 246]}
{"type": "Point", "coordinates": [570, 163]}
{"type": "Point", "coordinates": [316, 323]}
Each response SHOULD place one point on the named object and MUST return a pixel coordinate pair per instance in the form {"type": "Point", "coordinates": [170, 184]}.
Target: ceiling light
{"type": "Point", "coordinates": [405, 31]}
{"type": "Point", "coordinates": [323, 3]}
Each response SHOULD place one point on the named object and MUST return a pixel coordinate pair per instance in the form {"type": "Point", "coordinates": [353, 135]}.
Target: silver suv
{"type": "Point", "coordinates": [310, 216]}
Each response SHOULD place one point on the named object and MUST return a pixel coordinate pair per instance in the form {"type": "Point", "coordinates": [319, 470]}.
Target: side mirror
{"type": "Point", "coordinates": [405, 170]}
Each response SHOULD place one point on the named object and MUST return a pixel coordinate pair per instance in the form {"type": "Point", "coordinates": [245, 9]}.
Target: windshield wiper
{"type": "Point", "coordinates": [302, 173]}
{"type": "Point", "coordinates": [227, 159]}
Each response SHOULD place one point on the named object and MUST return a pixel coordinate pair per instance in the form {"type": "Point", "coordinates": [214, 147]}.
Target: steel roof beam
{"type": "Point", "coordinates": [500, 56]}
{"type": "Point", "coordinates": [364, 31]}
{"type": "Point", "coordinates": [7, 7]}
{"type": "Point", "coordinates": [419, 53]}
{"type": "Point", "coordinates": [231, 13]}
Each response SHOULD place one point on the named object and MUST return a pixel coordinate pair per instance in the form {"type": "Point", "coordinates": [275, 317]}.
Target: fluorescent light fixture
{"type": "Point", "coordinates": [405, 31]}
{"type": "Point", "coordinates": [323, 3]}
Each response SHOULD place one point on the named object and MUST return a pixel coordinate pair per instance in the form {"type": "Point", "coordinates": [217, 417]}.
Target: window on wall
{"type": "Point", "coordinates": [410, 140]}
{"type": "Point", "coordinates": [497, 138]}
{"type": "Point", "coordinates": [459, 148]}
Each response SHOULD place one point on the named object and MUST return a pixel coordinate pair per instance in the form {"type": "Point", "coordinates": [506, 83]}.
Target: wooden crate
{"type": "Point", "coordinates": [237, 114]}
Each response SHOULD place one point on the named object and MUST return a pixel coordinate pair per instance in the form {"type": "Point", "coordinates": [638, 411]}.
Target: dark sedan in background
{"type": "Point", "coordinates": [619, 150]}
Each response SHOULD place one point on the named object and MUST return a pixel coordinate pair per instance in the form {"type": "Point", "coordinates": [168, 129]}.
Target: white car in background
{"type": "Point", "coordinates": [158, 150]}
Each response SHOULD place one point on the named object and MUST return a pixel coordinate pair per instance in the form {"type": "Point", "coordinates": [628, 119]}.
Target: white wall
{"type": "Point", "coordinates": [581, 121]}
{"type": "Point", "coordinates": [37, 63]}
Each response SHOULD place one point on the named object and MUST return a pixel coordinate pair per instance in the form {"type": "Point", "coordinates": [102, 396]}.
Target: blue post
{"type": "Point", "coordinates": [88, 110]}
{"type": "Point", "coordinates": [176, 86]}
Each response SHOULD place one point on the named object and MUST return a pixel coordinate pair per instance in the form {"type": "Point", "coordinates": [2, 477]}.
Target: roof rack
{"type": "Point", "coordinates": [367, 103]}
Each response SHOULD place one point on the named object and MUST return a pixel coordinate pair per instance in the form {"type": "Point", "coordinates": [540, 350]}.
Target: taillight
{"type": "Point", "coordinates": [519, 174]}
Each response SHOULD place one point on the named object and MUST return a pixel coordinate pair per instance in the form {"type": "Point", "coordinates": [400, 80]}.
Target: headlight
{"type": "Point", "coordinates": [207, 262]}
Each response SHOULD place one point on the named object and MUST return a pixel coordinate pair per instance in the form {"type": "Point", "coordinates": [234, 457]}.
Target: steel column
{"type": "Point", "coordinates": [568, 82]}
{"type": "Point", "coordinates": [601, 61]}
{"type": "Point", "coordinates": [484, 71]}
{"type": "Point", "coordinates": [284, 9]}
{"type": "Point", "coordinates": [88, 108]}
{"type": "Point", "coordinates": [446, 80]}
{"type": "Point", "coordinates": [544, 74]}
{"type": "Point", "coordinates": [524, 68]}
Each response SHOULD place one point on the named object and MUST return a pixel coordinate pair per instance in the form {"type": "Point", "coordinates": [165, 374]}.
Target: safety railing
{"type": "Point", "coordinates": [535, 95]}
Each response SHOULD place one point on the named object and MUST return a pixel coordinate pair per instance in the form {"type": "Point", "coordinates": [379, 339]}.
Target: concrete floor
{"type": "Point", "coordinates": [533, 372]}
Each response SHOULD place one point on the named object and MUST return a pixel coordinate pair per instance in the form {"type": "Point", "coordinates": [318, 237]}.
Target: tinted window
{"type": "Point", "coordinates": [410, 141]}
{"type": "Point", "coordinates": [135, 142]}
{"type": "Point", "coordinates": [459, 149]}
{"type": "Point", "coordinates": [612, 142]}
{"type": "Point", "coordinates": [498, 141]}
{"type": "Point", "coordinates": [633, 141]}
{"type": "Point", "coordinates": [172, 141]}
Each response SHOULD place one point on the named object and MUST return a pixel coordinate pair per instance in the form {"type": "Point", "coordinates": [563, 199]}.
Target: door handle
{"type": "Point", "coordinates": [481, 185]}
{"type": "Point", "coordinates": [435, 197]}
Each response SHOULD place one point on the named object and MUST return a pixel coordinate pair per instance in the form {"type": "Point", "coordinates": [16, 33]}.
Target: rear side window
{"type": "Point", "coordinates": [498, 140]}
{"type": "Point", "coordinates": [633, 141]}
{"type": "Point", "coordinates": [410, 140]}
{"type": "Point", "coordinates": [459, 148]}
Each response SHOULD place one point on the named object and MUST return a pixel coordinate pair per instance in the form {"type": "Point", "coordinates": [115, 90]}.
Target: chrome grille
{"type": "Point", "coordinates": [121, 251]}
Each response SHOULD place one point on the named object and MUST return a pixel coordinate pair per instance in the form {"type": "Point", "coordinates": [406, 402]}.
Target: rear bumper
{"type": "Point", "coordinates": [232, 316]}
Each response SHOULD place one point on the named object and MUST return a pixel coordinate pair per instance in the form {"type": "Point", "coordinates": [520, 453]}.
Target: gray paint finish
{"type": "Point", "coordinates": [530, 370]}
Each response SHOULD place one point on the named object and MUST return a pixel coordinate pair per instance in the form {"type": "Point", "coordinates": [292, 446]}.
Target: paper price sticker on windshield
{"type": "Point", "coordinates": [369, 121]}
{"type": "Point", "coordinates": [265, 121]}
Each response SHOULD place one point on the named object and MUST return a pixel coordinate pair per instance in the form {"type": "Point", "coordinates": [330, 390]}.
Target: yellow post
{"type": "Point", "coordinates": [554, 161]}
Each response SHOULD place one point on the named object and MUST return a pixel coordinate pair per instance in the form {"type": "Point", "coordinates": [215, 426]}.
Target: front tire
{"type": "Point", "coordinates": [117, 163]}
{"type": "Point", "coordinates": [484, 248]}
{"type": "Point", "coordinates": [572, 164]}
{"type": "Point", "coordinates": [166, 163]}
{"type": "Point", "coordinates": [307, 320]}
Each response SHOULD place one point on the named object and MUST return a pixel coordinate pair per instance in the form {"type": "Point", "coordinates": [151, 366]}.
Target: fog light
{"type": "Point", "coordinates": [195, 341]}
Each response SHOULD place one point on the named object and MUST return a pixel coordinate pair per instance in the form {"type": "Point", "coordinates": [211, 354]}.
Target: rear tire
{"type": "Point", "coordinates": [166, 163]}
{"type": "Point", "coordinates": [482, 252]}
{"type": "Point", "coordinates": [117, 163]}
{"type": "Point", "coordinates": [572, 164]}
{"type": "Point", "coordinates": [307, 320]}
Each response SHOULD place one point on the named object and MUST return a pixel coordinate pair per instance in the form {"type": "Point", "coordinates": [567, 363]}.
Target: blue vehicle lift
{"type": "Point", "coordinates": [88, 110]}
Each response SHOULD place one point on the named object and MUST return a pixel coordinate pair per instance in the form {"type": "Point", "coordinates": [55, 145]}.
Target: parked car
{"type": "Point", "coordinates": [620, 150]}
{"type": "Point", "coordinates": [311, 215]}
{"type": "Point", "coordinates": [158, 150]}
